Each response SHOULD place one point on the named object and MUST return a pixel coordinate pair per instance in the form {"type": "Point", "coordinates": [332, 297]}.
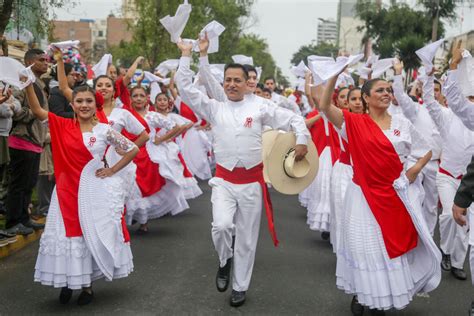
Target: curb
{"type": "Point", "coordinates": [21, 242]}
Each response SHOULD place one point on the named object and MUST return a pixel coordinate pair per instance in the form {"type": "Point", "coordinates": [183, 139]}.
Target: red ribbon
{"type": "Point", "coordinates": [248, 122]}
{"type": "Point", "coordinates": [245, 176]}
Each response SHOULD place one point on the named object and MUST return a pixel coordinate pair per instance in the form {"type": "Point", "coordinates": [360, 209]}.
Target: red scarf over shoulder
{"type": "Point", "coordinates": [149, 180]}
{"type": "Point", "coordinates": [70, 157]}
{"type": "Point", "coordinates": [376, 166]}
{"type": "Point", "coordinates": [321, 140]}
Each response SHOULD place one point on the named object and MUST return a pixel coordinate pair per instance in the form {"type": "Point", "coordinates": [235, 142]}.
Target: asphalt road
{"type": "Point", "coordinates": [175, 267]}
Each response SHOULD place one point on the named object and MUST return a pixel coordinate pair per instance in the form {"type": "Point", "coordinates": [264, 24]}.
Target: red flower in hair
{"type": "Point", "coordinates": [99, 101]}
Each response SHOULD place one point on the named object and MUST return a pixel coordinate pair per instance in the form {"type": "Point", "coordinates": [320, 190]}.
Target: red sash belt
{"type": "Point", "coordinates": [443, 171]}
{"type": "Point", "coordinates": [245, 176]}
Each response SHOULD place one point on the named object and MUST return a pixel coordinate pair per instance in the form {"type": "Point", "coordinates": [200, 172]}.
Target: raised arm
{"type": "Point", "coordinates": [35, 107]}
{"type": "Point", "coordinates": [458, 103]}
{"type": "Point", "coordinates": [172, 88]}
{"type": "Point", "coordinates": [213, 87]}
{"type": "Point", "coordinates": [195, 99]}
{"type": "Point", "coordinates": [438, 114]}
{"type": "Point", "coordinates": [62, 78]}
{"type": "Point", "coordinates": [131, 71]}
{"type": "Point", "coordinates": [409, 107]}
{"type": "Point", "coordinates": [333, 113]}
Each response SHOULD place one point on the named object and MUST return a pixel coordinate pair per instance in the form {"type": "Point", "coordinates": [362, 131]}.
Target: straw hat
{"type": "Point", "coordinates": [268, 139]}
{"type": "Point", "coordinates": [285, 174]}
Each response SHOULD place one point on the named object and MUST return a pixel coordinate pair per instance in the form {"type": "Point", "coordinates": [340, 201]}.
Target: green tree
{"type": "Point", "coordinates": [398, 29]}
{"type": "Point", "coordinates": [323, 49]}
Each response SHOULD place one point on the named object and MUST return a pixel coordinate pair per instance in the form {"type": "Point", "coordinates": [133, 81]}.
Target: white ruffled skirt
{"type": "Point", "coordinates": [75, 262]}
{"type": "Point", "coordinates": [195, 148]}
{"type": "Point", "coordinates": [191, 188]}
{"type": "Point", "coordinates": [319, 195]}
{"type": "Point", "coordinates": [340, 179]}
{"type": "Point", "coordinates": [363, 265]}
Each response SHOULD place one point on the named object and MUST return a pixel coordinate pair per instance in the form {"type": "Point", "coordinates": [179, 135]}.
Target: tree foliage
{"type": "Point", "coordinates": [323, 49]}
{"type": "Point", "coordinates": [152, 41]}
{"type": "Point", "coordinates": [400, 29]}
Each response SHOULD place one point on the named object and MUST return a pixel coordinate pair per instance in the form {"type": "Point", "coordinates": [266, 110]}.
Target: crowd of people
{"type": "Point", "coordinates": [123, 150]}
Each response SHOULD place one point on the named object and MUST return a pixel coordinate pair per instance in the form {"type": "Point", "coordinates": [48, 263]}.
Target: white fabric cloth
{"type": "Point", "coordinates": [427, 53]}
{"type": "Point", "coordinates": [75, 262]}
{"type": "Point", "coordinates": [466, 74]}
{"type": "Point", "coordinates": [430, 202]}
{"type": "Point", "coordinates": [101, 67]}
{"type": "Point", "coordinates": [175, 25]}
{"type": "Point", "coordinates": [11, 70]}
{"type": "Point", "coordinates": [364, 268]}
{"type": "Point", "coordinates": [236, 208]}
{"type": "Point", "coordinates": [213, 29]}
{"type": "Point", "coordinates": [300, 70]}
{"type": "Point", "coordinates": [168, 65]}
{"type": "Point", "coordinates": [329, 68]}
{"type": "Point", "coordinates": [154, 91]}
{"type": "Point", "coordinates": [152, 78]}
{"type": "Point", "coordinates": [66, 44]}
{"type": "Point", "coordinates": [237, 126]}
{"type": "Point", "coordinates": [243, 60]}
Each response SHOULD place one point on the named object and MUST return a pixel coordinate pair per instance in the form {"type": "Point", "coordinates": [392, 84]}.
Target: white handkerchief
{"type": "Point", "coordinates": [372, 60]}
{"type": "Point", "coordinates": [242, 59]}
{"type": "Point", "coordinates": [154, 91]}
{"type": "Point", "coordinates": [175, 25]}
{"type": "Point", "coordinates": [259, 72]}
{"type": "Point", "coordinates": [328, 69]}
{"type": "Point", "coordinates": [11, 70]}
{"type": "Point", "coordinates": [214, 30]}
{"type": "Point", "coordinates": [217, 71]}
{"type": "Point", "coordinates": [381, 66]}
{"type": "Point", "coordinates": [152, 78]}
{"type": "Point", "coordinates": [317, 58]}
{"type": "Point", "coordinates": [466, 74]}
{"type": "Point", "coordinates": [66, 44]}
{"type": "Point", "coordinates": [427, 53]}
{"type": "Point", "coordinates": [168, 65]}
{"type": "Point", "coordinates": [300, 70]}
{"type": "Point", "coordinates": [300, 84]}
{"type": "Point", "coordinates": [315, 62]}
{"type": "Point", "coordinates": [100, 68]}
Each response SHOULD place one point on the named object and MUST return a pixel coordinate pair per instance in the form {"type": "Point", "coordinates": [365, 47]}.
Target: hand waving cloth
{"type": "Point", "coordinates": [69, 156]}
{"type": "Point", "coordinates": [376, 166]}
{"type": "Point", "coordinates": [147, 180]}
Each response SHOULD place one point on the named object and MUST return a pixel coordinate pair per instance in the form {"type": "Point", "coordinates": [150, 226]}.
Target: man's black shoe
{"type": "Point", "coordinates": [237, 298]}
{"type": "Point", "coordinates": [446, 262]}
{"type": "Point", "coordinates": [325, 235]}
{"type": "Point", "coordinates": [34, 225]}
{"type": "Point", "coordinates": [85, 298]}
{"type": "Point", "coordinates": [65, 295]}
{"type": "Point", "coordinates": [458, 273]}
{"type": "Point", "coordinates": [356, 308]}
{"type": "Point", "coordinates": [223, 276]}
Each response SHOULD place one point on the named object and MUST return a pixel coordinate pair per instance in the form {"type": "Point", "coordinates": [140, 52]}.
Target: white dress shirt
{"type": "Point", "coordinates": [460, 105]}
{"type": "Point", "coordinates": [419, 117]}
{"type": "Point", "coordinates": [237, 127]}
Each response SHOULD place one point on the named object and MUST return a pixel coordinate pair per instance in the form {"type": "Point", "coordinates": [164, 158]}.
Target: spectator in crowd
{"type": "Point", "coordinates": [25, 144]}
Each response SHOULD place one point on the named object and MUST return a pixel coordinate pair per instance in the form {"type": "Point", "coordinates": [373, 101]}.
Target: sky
{"type": "Point", "coordinates": [285, 24]}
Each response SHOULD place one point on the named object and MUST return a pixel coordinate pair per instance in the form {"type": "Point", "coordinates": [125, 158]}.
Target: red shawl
{"type": "Point", "coordinates": [334, 143]}
{"type": "Point", "coordinates": [376, 166]}
{"type": "Point", "coordinates": [149, 180]}
{"type": "Point", "coordinates": [70, 157]}
{"type": "Point", "coordinates": [186, 112]}
{"type": "Point", "coordinates": [317, 132]}
{"type": "Point", "coordinates": [121, 91]}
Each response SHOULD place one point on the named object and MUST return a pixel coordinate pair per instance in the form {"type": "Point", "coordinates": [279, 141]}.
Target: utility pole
{"type": "Point", "coordinates": [17, 20]}
{"type": "Point", "coordinates": [434, 32]}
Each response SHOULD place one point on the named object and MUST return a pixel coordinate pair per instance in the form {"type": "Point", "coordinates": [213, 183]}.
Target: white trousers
{"type": "Point", "coordinates": [454, 238]}
{"type": "Point", "coordinates": [236, 208]}
{"type": "Point", "coordinates": [430, 202]}
{"type": "Point", "coordinates": [471, 261]}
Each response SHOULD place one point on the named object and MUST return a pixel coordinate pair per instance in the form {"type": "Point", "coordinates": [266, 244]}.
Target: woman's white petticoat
{"type": "Point", "coordinates": [319, 208]}
{"type": "Point", "coordinates": [75, 262]}
{"type": "Point", "coordinates": [340, 179]}
{"type": "Point", "coordinates": [195, 148]}
{"type": "Point", "coordinates": [363, 266]}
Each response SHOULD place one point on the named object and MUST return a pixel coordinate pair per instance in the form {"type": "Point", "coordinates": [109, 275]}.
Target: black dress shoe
{"type": "Point", "coordinates": [85, 298]}
{"type": "Point", "coordinates": [65, 295]}
{"type": "Point", "coordinates": [237, 298]}
{"type": "Point", "coordinates": [34, 225]}
{"type": "Point", "coordinates": [325, 235]}
{"type": "Point", "coordinates": [446, 262]}
{"type": "Point", "coordinates": [356, 308]}
{"type": "Point", "coordinates": [223, 276]}
{"type": "Point", "coordinates": [377, 312]}
{"type": "Point", "coordinates": [458, 273]}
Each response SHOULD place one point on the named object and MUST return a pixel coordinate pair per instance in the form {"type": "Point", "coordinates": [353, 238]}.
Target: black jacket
{"type": "Point", "coordinates": [465, 194]}
{"type": "Point", "coordinates": [59, 105]}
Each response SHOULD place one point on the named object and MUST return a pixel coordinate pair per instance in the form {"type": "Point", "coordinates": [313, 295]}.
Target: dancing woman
{"type": "Point", "coordinates": [388, 254]}
{"type": "Point", "coordinates": [84, 238]}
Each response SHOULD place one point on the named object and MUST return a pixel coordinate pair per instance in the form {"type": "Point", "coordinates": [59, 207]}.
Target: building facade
{"type": "Point", "coordinates": [327, 31]}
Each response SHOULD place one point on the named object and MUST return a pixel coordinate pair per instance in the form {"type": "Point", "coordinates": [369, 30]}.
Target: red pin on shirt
{"type": "Point", "coordinates": [248, 122]}
{"type": "Point", "coordinates": [92, 140]}
{"type": "Point", "coordinates": [396, 132]}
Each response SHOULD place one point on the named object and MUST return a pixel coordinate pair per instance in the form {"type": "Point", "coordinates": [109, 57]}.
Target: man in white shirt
{"type": "Point", "coordinates": [238, 187]}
